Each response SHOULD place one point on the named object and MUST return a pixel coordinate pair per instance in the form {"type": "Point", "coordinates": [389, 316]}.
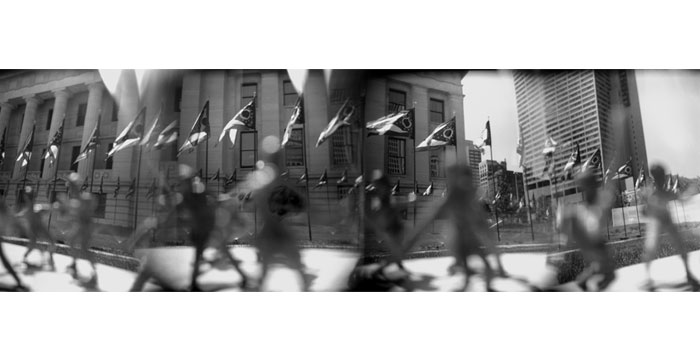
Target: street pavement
{"type": "Point", "coordinates": [328, 269]}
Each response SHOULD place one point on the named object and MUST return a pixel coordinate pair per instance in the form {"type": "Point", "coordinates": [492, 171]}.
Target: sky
{"type": "Point", "coordinates": [669, 99]}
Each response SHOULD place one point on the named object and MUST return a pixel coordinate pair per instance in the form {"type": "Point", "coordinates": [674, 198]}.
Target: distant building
{"type": "Point", "coordinates": [473, 160]}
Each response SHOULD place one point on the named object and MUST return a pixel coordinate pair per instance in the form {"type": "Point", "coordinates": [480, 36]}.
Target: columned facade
{"type": "Point", "coordinates": [82, 99]}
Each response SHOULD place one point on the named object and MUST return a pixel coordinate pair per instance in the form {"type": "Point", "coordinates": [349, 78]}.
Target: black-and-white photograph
{"type": "Point", "coordinates": [349, 180]}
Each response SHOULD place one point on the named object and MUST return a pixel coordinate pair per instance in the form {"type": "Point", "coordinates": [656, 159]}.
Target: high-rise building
{"type": "Point", "coordinates": [488, 170]}
{"type": "Point", "coordinates": [473, 160]}
{"type": "Point", "coordinates": [598, 109]}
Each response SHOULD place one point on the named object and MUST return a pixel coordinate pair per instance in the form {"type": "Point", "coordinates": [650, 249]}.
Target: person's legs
{"type": "Point", "coordinates": [236, 264]}
{"type": "Point", "coordinates": [198, 253]}
{"type": "Point", "coordinates": [675, 238]}
{"type": "Point", "coordinates": [9, 268]}
{"type": "Point", "coordinates": [650, 248]}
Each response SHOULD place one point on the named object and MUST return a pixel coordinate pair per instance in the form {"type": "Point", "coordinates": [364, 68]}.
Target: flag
{"type": "Point", "coordinates": [216, 176]}
{"type": "Point", "coordinates": [2, 146]}
{"type": "Point", "coordinates": [400, 122]}
{"type": "Point", "coordinates": [574, 160]}
{"type": "Point", "coordinates": [244, 119]}
{"type": "Point", "coordinates": [55, 144]}
{"type": "Point", "coordinates": [231, 179]}
{"type": "Point", "coordinates": [550, 146]}
{"type": "Point", "coordinates": [147, 138]}
{"type": "Point", "coordinates": [132, 189]}
{"type": "Point", "coordinates": [486, 135]}
{"type": "Point", "coordinates": [89, 147]}
{"type": "Point", "coordinates": [151, 190]}
{"type": "Point", "coordinates": [343, 177]}
{"type": "Point", "coordinates": [297, 118]}
{"type": "Point", "coordinates": [341, 118]}
{"type": "Point", "coordinates": [323, 180]}
{"type": "Point", "coordinates": [625, 170]}
{"type": "Point", "coordinates": [102, 181]}
{"type": "Point", "coordinates": [199, 131]}
{"type": "Point", "coordinates": [640, 180]}
{"type": "Point", "coordinates": [397, 188]}
{"type": "Point", "coordinates": [26, 153]}
{"type": "Point", "coordinates": [675, 189]}
{"type": "Point", "coordinates": [131, 135]}
{"type": "Point", "coordinates": [429, 190]}
{"type": "Point", "coordinates": [116, 189]}
{"type": "Point", "coordinates": [593, 162]}
{"type": "Point", "coordinates": [519, 149]}
{"type": "Point", "coordinates": [167, 135]}
{"type": "Point", "coordinates": [303, 177]}
{"type": "Point", "coordinates": [443, 135]}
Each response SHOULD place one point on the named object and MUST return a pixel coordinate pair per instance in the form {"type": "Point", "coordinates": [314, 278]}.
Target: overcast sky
{"type": "Point", "coordinates": [670, 103]}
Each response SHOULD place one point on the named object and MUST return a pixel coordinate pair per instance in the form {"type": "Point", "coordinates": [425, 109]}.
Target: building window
{"type": "Point", "coordinates": [397, 101]}
{"type": "Point", "coordinates": [342, 190]}
{"type": "Point", "coordinates": [295, 149]}
{"type": "Point", "coordinates": [437, 112]}
{"type": "Point", "coordinates": [20, 195]}
{"type": "Point", "coordinates": [342, 147]}
{"type": "Point", "coordinates": [248, 90]}
{"type": "Point", "coordinates": [82, 110]}
{"type": "Point", "coordinates": [289, 94]}
{"type": "Point", "coordinates": [110, 161]}
{"type": "Point", "coordinates": [434, 166]}
{"type": "Point", "coordinates": [74, 155]}
{"type": "Point", "coordinates": [249, 151]}
{"type": "Point", "coordinates": [101, 205]}
{"type": "Point", "coordinates": [48, 119]}
{"type": "Point", "coordinates": [397, 156]}
{"type": "Point", "coordinates": [178, 99]}
{"type": "Point", "coordinates": [115, 111]}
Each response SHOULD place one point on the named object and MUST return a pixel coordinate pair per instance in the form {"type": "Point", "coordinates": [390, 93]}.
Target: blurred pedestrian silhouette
{"type": "Point", "coordinates": [80, 207]}
{"type": "Point", "coordinates": [584, 226]}
{"type": "Point", "coordinates": [658, 222]}
{"type": "Point", "coordinates": [7, 223]}
{"type": "Point", "coordinates": [34, 227]}
{"type": "Point", "coordinates": [470, 232]}
{"type": "Point", "coordinates": [274, 201]}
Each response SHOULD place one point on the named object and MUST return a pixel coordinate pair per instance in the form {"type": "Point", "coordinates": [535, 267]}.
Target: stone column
{"type": "Point", "coordinates": [59, 112]}
{"type": "Point", "coordinates": [422, 130]}
{"type": "Point", "coordinates": [269, 100]}
{"type": "Point", "coordinates": [5, 112]}
{"type": "Point", "coordinates": [92, 114]}
{"type": "Point", "coordinates": [28, 123]}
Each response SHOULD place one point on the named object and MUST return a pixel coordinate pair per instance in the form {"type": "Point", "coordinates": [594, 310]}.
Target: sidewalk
{"type": "Point", "coordinates": [329, 271]}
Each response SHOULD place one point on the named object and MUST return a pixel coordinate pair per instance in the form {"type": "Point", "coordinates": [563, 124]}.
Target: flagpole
{"type": "Point", "coordinates": [136, 189]}
{"type": "Point", "coordinates": [495, 206]}
{"type": "Point", "coordinates": [415, 177]}
{"type": "Point", "coordinates": [527, 202]}
{"type": "Point", "coordinates": [361, 198]}
{"type": "Point", "coordinates": [622, 200]}
{"type": "Point", "coordinates": [306, 173]}
{"type": "Point", "coordinates": [92, 172]}
{"type": "Point", "coordinates": [55, 173]}
{"type": "Point", "coordinates": [636, 206]}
